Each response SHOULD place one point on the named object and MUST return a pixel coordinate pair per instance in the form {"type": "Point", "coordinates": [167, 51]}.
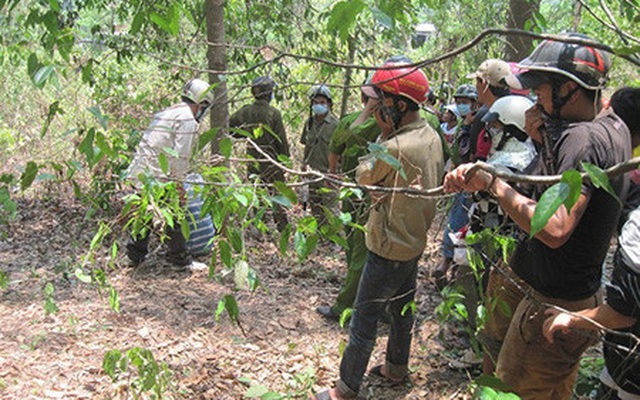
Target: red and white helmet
{"type": "Point", "coordinates": [409, 82]}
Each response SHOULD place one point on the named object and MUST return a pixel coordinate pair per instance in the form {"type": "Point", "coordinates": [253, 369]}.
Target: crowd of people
{"type": "Point", "coordinates": [541, 116]}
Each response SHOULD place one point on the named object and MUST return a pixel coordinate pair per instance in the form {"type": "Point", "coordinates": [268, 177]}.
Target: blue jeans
{"type": "Point", "coordinates": [457, 218]}
{"type": "Point", "coordinates": [384, 283]}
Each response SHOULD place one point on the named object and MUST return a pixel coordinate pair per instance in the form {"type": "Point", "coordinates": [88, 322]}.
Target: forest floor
{"type": "Point", "coordinates": [285, 347]}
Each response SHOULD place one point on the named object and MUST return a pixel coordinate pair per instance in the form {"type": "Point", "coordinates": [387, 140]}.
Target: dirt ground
{"type": "Point", "coordinates": [286, 346]}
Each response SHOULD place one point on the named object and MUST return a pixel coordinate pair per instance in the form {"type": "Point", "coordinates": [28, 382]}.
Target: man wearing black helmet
{"type": "Point", "coordinates": [315, 138]}
{"type": "Point", "coordinates": [562, 264]}
{"type": "Point", "coordinates": [273, 139]}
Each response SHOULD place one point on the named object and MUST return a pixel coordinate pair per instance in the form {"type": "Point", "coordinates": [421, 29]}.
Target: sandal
{"type": "Point", "coordinates": [324, 395]}
{"type": "Point", "coordinates": [377, 372]}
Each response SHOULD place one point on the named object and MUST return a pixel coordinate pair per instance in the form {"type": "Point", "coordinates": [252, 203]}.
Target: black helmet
{"type": "Point", "coordinates": [585, 65]}
{"type": "Point", "coordinates": [466, 90]}
{"type": "Point", "coordinates": [262, 86]}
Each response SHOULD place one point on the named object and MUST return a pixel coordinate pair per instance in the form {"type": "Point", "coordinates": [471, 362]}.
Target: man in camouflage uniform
{"type": "Point", "coordinates": [315, 138]}
{"type": "Point", "coordinates": [272, 140]}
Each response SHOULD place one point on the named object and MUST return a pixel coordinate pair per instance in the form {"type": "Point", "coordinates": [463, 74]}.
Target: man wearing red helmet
{"type": "Point", "coordinates": [562, 264]}
{"type": "Point", "coordinates": [396, 228]}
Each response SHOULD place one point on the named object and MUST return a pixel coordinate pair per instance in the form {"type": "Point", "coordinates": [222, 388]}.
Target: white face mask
{"type": "Point", "coordinates": [320, 109]}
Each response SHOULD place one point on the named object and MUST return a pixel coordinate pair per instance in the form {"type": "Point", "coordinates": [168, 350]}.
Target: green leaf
{"type": "Point", "coordinates": [627, 50]}
{"type": "Point", "coordinates": [86, 147]}
{"type": "Point", "coordinates": [163, 162]}
{"type": "Point", "coordinates": [101, 143]}
{"type": "Point", "coordinates": [573, 179]}
{"type": "Point", "coordinates": [114, 300]}
{"type": "Point", "coordinates": [54, 109]}
{"type": "Point", "coordinates": [599, 179]}
{"type": "Point", "coordinates": [383, 19]}
{"type": "Point", "coordinates": [343, 16]}
{"type": "Point", "coordinates": [410, 306]}
{"type": "Point", "coordinates": [137, 22]}
{"type": "Point", "coordinates": [229, 304]}
{"type": "Point", "coordinates": [110, 363]}
{"type": "Point", "coordinates": [207, 137]}
{"type": "Point", "coordinates": [345, 316]}
{"type": "Point", "coordinates": [225, 253]}
{"type": "Point", "coordinates": [170, 23]}
{"type": "Point", "coordinates": [225, 146]}
{"type": "Point", "coordinates": [549, 202]}
{"type": "Point", "coordinates": [33, 64]}
{"type": "Point", "coordinates": [55, 6]}
{"type": "Point", "coordinates": [380, 152]}
{"type": "Point", "coordinates": [82, 276]}
{"type": "Point", "coordinates": [286, 191]}
{"type": "Point", "coordinates": [4, 280]}
{"type": "Point", "coordinates": [171, 152]}
{"type": "Point", "coordinates": [283, 243]}
{"type": "Point", "coordinates": [42, 75]}
{"type": "Point", "coordinates": [30, 173]}
{"type": "Point", "coordinates": [103, 119]}
{"type": "Point", "coordinates": [256, 391]}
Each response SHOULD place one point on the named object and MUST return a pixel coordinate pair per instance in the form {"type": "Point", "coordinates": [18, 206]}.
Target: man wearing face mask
{"type": "Point", "coordinates": [273, 140]}
{"type": "Point", "coordinates": [458, 216]}
{"type": "Point", "coordinates": [396, 230]}
{"type": "Point", "coordinates": [562, 264]}
{"type": "Point", "coordinates": [172, 135]}
{"type": "Point", "coordinates": [315, 138]}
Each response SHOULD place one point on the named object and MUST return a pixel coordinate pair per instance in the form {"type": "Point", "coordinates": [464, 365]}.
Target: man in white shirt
{"type": "Point", "coordinates": [163, 154]}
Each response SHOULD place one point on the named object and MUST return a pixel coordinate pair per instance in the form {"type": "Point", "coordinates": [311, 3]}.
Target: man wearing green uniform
{"type": "Point", "coordinates": [315, 138]}
{"type": "Point", "coordinates": [273, 139]}
{"type": "Point", "coordinates": [349, 141]}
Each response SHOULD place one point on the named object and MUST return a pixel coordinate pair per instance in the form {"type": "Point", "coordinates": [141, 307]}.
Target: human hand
{"type": "Point", "coordinates": [534, 123]}
{"type": "Point", "coordinates": [463, 178]}
{"type": "Point", "coordinates": [557, 321]}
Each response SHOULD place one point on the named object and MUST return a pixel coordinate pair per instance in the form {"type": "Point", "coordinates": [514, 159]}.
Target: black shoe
{"type": "Point", "coordinates": [181, 259]}
{"type": "Point", "coordinates": [328, 313]}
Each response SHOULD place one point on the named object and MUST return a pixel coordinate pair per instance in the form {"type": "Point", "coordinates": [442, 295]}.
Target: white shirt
{"type": "Point", "coordinates": [172, 132]}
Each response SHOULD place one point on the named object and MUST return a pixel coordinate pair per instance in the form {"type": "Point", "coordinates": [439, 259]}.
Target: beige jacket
{"type": "Point", "coordinates": [398, 224]}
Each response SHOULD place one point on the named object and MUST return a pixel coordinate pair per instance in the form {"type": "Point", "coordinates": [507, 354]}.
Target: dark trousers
{"type": "Point", "coordinates": [138, 247]}
{"type": "Point", "coordinates": [383, 282]}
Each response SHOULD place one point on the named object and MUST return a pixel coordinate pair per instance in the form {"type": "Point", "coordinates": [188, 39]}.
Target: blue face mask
{"type": "Point", "coordinates": [320, 109]}
{"type": "Point", "coordinates": [463, 109]}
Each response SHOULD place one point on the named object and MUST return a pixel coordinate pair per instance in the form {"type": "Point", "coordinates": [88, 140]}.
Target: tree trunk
{"type": "Point", "coordinates": [577, 17]}
{"type": "Point", "coordinates": [351, 43]}
{"type": "Point", "coordinates": [520, 11]}
{"type": "Point", "coordinates": [217, 61]}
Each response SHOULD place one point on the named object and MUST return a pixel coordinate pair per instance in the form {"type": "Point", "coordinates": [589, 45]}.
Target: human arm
{"type": "Point", "coordinates": [334, 161]}
{"type": "Point", "coordinates": [520, 208]}
{"type": "Point", "coordinates": [604, 315]}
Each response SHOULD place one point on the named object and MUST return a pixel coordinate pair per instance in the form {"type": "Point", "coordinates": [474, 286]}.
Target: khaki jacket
{"type": "Point", "coordinates": [316, 142]}
{"type": "Point", "coordinates": [398, 224]}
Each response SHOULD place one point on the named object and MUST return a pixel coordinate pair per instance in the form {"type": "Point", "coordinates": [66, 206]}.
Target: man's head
{"type": "Point", "coordinates": [490, 80]}
{"type": "Point", "coordinates": [465, 98]}
{"type": "Point", "coordinates": [262, 88]}
{"type": "Point", "coordinates": [198, 94]}
{"type": "Point", "coordinates": [401, 91]}
{"type": "Point", "coordinates": [626, 104]}
{"type": "Point", "coordinates": [507, 114]}
{"type": "Point", "coordinates": [321, 100]}
{"type": "Point", "coordinates": [564, 73]}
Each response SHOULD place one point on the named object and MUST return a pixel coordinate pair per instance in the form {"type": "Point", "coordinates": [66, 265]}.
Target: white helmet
{"type": "Point", "coordinates": [509, 110]}
{"type": "Point", "coordinates": [198, 91]}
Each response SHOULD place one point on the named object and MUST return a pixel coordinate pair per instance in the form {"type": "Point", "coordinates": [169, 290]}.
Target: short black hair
{"type": "Point", "coordinates": [626, 104]}
{"type": "Point", "coordinates": [499, 91]}
{"type": "Point", "coordinates": [411, 105]}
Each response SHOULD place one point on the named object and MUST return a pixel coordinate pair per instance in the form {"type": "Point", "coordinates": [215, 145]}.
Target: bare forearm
{"type": "Point", "coordinates": [603, 315]}
{"type": "Point", "coordinates": [334, 160]}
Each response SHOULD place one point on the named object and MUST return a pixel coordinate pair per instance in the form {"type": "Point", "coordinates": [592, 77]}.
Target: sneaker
{"type": "Point", "coordinates": [469, 359]}
{"type": "Point", "coordinates": [328, 313]}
